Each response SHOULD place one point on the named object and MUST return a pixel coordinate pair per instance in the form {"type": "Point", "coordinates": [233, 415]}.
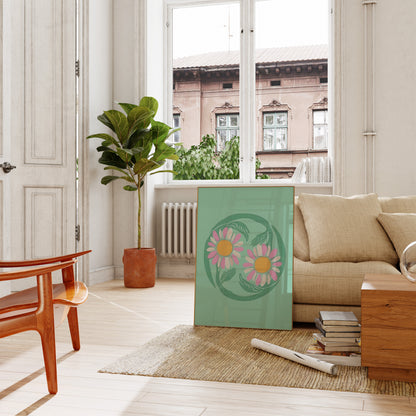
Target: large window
{"type": "Point", "coordinates": [262, 93]}
{"type": "Point", "coordinates": [227, 128]}
{"type": "Point", "coordinates": [275, 130]}
{"type": "Point", "coordinates": [320, 129]}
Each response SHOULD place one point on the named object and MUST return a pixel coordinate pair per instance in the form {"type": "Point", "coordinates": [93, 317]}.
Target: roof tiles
{"type": "Point", "coordinates": [263, 56]}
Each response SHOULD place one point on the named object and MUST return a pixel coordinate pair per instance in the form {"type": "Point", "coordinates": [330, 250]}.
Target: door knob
{"type": "Point", "coordinates": [7, 167]}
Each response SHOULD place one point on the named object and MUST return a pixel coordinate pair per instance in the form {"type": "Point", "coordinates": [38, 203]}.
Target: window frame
{"type": "Point", "coordinates": [176, 122]}
{"type": "Point", "coordinates": [326, 125]}
{"type": "Point", "coordinates": [228, 128]}
{"type": "Point", "coordinates": [275, 127]}
{"type": "Point", "coordinates": [248, 112]}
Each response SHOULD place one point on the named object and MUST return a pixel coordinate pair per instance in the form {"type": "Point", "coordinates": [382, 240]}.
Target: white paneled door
{"type": "Point", "coordinates": [38, 133]}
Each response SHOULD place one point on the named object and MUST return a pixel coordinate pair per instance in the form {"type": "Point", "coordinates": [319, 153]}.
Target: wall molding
{"type": "Point", "coordinates": [336, 88]}
{"type": "Point", "coordinates": [369, 111]}
{"type": "Point", "coordinates": [100, 275]}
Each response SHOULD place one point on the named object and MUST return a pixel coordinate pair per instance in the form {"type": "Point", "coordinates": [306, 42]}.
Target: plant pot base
{"type": "Point", "coordinates": [139, 267]}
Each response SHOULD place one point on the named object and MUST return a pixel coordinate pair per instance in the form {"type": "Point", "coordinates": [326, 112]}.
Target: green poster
{"type": "Point", "coordinates": [244, 257]}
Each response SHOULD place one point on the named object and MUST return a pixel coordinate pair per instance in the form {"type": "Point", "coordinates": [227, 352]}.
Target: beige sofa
{"type": "Point", "coordinates": [338, 240]}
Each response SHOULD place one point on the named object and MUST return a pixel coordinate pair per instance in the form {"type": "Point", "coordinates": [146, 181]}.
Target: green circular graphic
{"type": "Point", "coordinates": [244, 256]}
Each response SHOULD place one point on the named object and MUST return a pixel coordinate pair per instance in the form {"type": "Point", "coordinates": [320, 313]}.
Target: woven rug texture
{"type": "Point", "coordinates": [225, 355]}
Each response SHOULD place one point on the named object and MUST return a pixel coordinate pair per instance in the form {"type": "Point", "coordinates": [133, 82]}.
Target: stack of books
{"type": "Point", "coordinates": [339, 338]}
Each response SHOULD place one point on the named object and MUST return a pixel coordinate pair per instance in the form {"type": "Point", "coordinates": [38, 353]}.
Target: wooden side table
{"type": "Point", "coordinates": [388, 327]}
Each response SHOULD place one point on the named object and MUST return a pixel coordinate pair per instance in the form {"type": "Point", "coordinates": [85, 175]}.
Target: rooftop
{"type": "Point", "coordinates": [263, 56]}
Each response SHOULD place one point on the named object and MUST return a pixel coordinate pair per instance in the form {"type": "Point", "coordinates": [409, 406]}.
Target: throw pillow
{"type": "Point", "coordinates": [300, 237]}
{"type": "Point", "coordinates": [345, 229]}
{"type": "Point", "coordinates": [405, 204]}
{"type": "Point", "coordinates": [401, 228]}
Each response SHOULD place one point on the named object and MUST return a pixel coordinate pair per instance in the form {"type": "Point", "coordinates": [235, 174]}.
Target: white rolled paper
{"type": "Point", "coordinates": [295, 356]}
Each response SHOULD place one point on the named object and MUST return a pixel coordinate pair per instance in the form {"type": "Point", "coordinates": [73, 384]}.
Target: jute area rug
{"type": "Point", "coordinates": [225, 355]}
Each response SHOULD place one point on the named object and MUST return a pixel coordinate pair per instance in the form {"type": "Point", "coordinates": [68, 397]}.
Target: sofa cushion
{"type": "Point", "coordinates": [398, 204]}
{"type": "Point", "coordinates": [345, 229]}
{"type": "Point", "coordinates": [401, 228]}
{"type": "Point", "coordinates": [300, 237]}
{"type": "Point", "coordinates": [336, 283]}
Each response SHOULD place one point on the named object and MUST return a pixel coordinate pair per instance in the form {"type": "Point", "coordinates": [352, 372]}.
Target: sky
{"type": "Point", "coordinates": [278, 23]}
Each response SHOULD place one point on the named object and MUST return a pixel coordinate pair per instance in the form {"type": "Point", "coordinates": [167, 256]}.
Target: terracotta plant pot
{"type": "Point", "coordinates": [139, 267]}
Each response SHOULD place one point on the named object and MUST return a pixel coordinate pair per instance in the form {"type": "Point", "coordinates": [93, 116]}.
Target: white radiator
{"type": "Point", "coordinates": [179, 229]}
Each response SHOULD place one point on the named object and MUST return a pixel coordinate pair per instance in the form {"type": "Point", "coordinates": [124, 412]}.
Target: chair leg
{"type": "Point", "coordinates": [73, 328]}
{"type": "Point", "coordinates": [49, 357]}
{"type": "Point", "coordinates": [46, 328]}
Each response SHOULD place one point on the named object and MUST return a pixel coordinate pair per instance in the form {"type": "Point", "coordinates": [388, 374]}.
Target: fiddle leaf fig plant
{"type": "Point", "coordinates": [138, 146]}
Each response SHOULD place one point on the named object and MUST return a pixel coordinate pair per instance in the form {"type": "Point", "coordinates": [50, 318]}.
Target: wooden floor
{"type": "Point", "coordinates": [113, 322]}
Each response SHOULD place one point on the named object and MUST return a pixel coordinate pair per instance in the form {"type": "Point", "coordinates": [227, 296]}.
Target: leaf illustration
{"type": "Point", "coordinates": [228, 275]}
{"type": "Point", "coordinates": [248, 286]}
{"type": "Point", "coordinates": [241, 228]}
{"type": "Point", "coordinates": [260, 238]}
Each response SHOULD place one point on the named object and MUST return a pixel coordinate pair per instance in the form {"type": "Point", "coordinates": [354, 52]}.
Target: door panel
{"type": "Point", "coordinates": [44, 209]}
{"type": "Point", "coordinates": [44, 63]}
{"type": "Point", "coordinates": [40, 127]}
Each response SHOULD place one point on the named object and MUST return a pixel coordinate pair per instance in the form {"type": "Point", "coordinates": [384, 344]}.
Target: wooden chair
{"type": "Point", "coordinates": [44, 306]}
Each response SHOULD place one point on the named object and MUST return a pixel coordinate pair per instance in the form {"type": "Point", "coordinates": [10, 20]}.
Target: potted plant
{"type": "Point", "coordinates": [138, 147]}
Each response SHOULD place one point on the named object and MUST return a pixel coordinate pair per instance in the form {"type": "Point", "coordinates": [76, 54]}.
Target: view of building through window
{"type": "Point", "coordinates": [291, 58]}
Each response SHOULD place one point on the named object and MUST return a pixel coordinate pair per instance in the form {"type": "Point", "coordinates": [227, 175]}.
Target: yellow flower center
{"type": "Point", "coordinates": [224, 248]}
{"type": "Point", "coordinates": [262, 264]}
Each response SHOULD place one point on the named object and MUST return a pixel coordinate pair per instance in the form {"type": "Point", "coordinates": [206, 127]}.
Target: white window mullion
{"type": "Point", "coordinates": [247, 92]}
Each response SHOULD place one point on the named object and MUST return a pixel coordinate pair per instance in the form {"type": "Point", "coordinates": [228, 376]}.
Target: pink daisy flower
{"type": "Point", "coordinates": [262, 264]}
{"type": "Point", "coordinates": [224, 248]}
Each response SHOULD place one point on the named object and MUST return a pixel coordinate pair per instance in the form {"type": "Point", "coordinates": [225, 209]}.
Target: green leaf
{"type": "Point", "coordinates": [248, 286]}
{"type": "Point", "coordinates": [107, 179]}
{"type": "Point", "coordinates": [144, 166]}
{"type": "Point", "coordinates": [261, 238]}
{"type": "Point", "coordinates": [241, 228]}
{"type": "Point", "coordinates": [105, 148]}
{"type": "Point", "coordinates": [104, 119]}
{"type": "Point", "coordinates": [228, 275]}
{"type": "Point", "coordinates": [163, 151]}
{"type": "Point", "coordinates": [160, 131]}
{"type": "Point", "coordinates": [173, 157]}
{"type": "Point", "coordinates": [112, 159]}
{"type": "Point", "coordinates": [174, 131]}
{"type": "Point", "coordinates": [119, 122]}
{"type": "Point", "coordinates": [109, 143]}
{"type": "Point", "coordinates": [139, 118]}
{"type": "Point", "coordinates": [149, 102]}
{"type": "Point", "coordinates": [130, 188]}
{"type": "Point", "coordinates": [125, 154]}
{"type": "Point", "coordinates": [103, 136]}
{"type": "Point", "coordinates": [128, 179]}
{"type": "Point", "coordinates": [123, 171]}
{"type": "Point", "coordinates": [127, 107]}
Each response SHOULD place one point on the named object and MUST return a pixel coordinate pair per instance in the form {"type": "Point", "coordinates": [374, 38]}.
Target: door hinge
{"type": "Point", "coordinates": [77, 232]}
{"type": "Point", "coordinates": [77, 70]}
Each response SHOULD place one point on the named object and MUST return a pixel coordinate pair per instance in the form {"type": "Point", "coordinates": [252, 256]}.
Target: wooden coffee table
{"type": "Point", "coordinates": [388, 327]}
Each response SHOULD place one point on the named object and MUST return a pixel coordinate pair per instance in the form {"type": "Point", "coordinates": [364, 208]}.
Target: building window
{"type": "Point", "coordinates": [176, 123]}
{"type": "Point", "coordinates": [275, 130]}
{"type": "Point", "coordinates": [320, 129]}
{"type": "Point", "coordinates": [227, 128]}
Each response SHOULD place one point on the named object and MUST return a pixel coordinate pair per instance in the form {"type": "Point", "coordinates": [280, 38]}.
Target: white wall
{"type": "Point", "coordinates": [394, 77]}
{"type": "Point", "coordinates": [100, 97]}
{"type": "Point", "coordinates": [395, 168]}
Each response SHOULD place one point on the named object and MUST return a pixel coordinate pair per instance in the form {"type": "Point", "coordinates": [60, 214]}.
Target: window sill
{"type": "Point", "coordinates": [259, 182]}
